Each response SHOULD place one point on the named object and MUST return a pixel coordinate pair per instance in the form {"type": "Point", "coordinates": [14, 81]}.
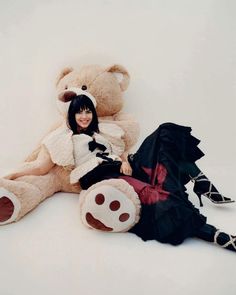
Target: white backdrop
{"type": "Point", "coordinates": [181, 56]}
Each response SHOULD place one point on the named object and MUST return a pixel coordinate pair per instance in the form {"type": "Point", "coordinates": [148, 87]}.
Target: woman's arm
{"type": "Point", "coordinates": [40, 166]}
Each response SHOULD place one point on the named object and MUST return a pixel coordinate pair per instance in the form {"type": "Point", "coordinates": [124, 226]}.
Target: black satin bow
{"type": "Point", "coordinates": [94, 145]}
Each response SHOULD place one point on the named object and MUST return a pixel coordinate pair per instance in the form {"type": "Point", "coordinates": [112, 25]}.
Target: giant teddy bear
{"type": "Point", "coordinates": [110, 205]}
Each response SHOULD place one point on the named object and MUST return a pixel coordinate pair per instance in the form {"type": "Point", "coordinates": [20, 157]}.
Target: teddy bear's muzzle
{"type": "Point", "coordinates": [66, 96]}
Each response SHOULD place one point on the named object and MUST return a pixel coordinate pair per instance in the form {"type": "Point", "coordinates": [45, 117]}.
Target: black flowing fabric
{"type": "Point", "coordinates": [171, 217]}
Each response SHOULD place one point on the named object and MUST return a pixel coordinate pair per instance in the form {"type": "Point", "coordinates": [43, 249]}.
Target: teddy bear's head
{"type": "Point", "coordinates": [104, 84]}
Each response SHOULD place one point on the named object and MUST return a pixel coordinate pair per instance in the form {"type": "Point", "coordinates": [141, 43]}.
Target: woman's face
{"type": "Point", "coordinates": [83, 118]}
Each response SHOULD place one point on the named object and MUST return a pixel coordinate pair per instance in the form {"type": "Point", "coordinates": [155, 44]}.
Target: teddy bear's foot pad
{"type": "Point", "coordinates": [96, 223]}
{"type": "Point", "coordinates": [9, 206]}
{"type": "Point", "coordinates": [107, 208]}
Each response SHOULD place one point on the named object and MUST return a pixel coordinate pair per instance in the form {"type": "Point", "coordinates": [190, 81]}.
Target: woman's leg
{"type": "Point", "coordinates": [189, 169]}
{"type": "Point", "coordinates": [210, 234]}
{"type": "Point", "coordinates": [174, 148]}
{"type": "Point", "coordinates": [202, 185]}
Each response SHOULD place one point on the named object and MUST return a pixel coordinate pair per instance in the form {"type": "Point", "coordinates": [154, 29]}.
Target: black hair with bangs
{"type": "Point", "coordinates": [81, 103]}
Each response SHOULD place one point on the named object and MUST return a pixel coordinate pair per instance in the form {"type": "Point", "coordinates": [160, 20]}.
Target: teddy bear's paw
{"type": "Point", "coordinates": [110, 208]}
{"type": "Point", "coordinates": [9, 206]}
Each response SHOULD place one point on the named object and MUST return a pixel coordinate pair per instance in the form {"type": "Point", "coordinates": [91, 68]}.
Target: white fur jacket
{"type": "Point", "coordinates": [67, 149]}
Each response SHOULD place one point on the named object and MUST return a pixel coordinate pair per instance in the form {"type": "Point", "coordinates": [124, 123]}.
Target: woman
{"type": "Point", "coordinates": [160, 168]}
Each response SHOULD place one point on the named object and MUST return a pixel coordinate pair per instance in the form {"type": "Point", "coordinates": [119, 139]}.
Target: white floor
{"type": "Point", "coordinates": [49, 251]}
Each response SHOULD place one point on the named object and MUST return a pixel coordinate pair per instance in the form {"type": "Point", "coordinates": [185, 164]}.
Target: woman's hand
{"type": "Point", "coordinates": [125, 168]}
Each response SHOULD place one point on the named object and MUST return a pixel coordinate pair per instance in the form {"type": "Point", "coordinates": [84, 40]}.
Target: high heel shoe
{"type": "Point", "coordinates": [225, 240]}
{"type": "Point", "coordinates": [203, 186]}
{"type": "Point", "coordinates": [210, 233]}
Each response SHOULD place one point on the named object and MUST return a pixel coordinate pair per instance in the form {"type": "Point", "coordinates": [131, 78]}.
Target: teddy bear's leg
{"type": "Point", "coordinates": [110, 205]}
{"type": "Point", "coordinates": [18, 197]}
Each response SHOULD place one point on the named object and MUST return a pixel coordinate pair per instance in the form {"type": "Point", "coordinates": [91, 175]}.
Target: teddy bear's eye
{"type": "Point", "coordinates": [66, 87]}
{"type": "Point", "coordinates": [84, 87]}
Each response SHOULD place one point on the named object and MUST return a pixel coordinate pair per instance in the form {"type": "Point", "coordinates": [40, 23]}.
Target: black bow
{"type": "Point", "coordinates": [94, 145]}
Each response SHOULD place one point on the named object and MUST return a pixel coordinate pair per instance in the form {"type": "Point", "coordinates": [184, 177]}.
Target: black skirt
{"type": "Point", "coordinates": [169, 217]}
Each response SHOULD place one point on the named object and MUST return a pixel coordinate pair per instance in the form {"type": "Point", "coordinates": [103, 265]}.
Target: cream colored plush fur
{"type": "Point", "coordinates": [23, 194]}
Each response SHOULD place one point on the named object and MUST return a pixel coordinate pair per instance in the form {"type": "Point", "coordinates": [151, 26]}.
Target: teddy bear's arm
{"type": "Point", "coordinates": [34, 154]}
{"type": "Point", "coordinates": [130, 137]}
{"type": "Point", "coordinates": [131, 133]}
{"type": "Point", "coordinates": [42, 165]}
{"type": "Point", "coordinates": [128, 124]}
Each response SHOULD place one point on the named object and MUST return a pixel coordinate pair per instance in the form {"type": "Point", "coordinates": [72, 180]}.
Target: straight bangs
{"type": "Point", "coordinates": [82, 103]}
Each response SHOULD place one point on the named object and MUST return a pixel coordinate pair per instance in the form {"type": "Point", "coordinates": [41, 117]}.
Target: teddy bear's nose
{"type": "Point", "coordinates": [84, 87]}
{"type": "Point", "coordinates": [66, 96]}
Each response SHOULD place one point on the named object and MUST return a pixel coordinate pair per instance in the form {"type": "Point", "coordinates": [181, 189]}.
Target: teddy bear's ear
{"type": "Point", "coordinates": [124, 83]}
{"type": "Point", "coordinates": [63, 73]}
